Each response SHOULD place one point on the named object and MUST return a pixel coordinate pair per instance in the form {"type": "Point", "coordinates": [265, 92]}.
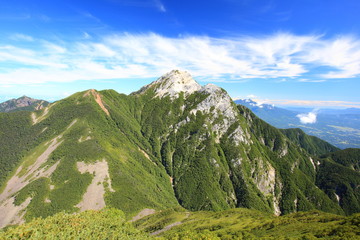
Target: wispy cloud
{"type": "Point", "coordinates": [342, 53]}
{"type": "Point", "coordinates": [15, 17]}
{"type": "Point", "coordinates": [86, 35]}
{"type": "Point", "coordinates": [312, 80]}
{"type": "Point", "coordinates": [279, 56]}
{"type": "Point", "coordinates": [160, 6]}
{"type": "Point", "coordinates": [143, 4]}
{"type": "Point", "coordinates": [307, 118]}
{"type": "Point", "coordinates": [310, 103]}
{"type": "Point", "coordinates": [21, 37]}
{"type": "Point", "coordinates": [44, 18]}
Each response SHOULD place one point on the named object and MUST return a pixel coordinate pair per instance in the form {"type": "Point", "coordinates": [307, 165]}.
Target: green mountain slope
{"type": "Point", "coordinates": [339, 177]}
{"type": "Point", "coordinates": [172, 143]}
{"type": "Point", "coordinates": [75, 143]}
{"type": "Point", "coordinates": [311, 144]}
{"type": "Point", "coordinates": [23, 103]}
{"type": "Point", "coordinates": [348, 157]}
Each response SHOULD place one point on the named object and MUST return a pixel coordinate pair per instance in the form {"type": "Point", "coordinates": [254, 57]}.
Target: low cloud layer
{"type": "Point", "coordinates": [307, 118]}
{"type": "Point", "coordinates": [121, 56]}
{"type": "Point", "coordinates": [309, 103]}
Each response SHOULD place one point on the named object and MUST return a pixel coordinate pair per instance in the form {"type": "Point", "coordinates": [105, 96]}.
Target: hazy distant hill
{"type": "Point", "coordinates": [340, 127]}
{"type": "Point", "coordinates": [22, 103]}
{"type": "Point", "coordinates": [173, 143]}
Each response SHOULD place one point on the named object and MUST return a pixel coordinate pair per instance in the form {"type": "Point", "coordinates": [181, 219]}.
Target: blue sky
{"type": "Point", "coordinates": [301, 52]}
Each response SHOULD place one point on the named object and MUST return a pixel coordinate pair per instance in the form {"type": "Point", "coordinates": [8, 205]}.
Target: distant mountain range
{"type": "Point", "coordinates": [340, 127]}
{"type": "Point", "coordinates": [174, 144]}
{"type": "Point", "coordinates": [23, 103]}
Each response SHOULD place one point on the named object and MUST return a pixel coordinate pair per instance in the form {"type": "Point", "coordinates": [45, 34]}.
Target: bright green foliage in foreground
{"type": "Point", "coordinates": [251, 224]}
{"type": "Point", "coordinates": [107, 224]}
{"type": "Point", "coordinates": [229, 224]}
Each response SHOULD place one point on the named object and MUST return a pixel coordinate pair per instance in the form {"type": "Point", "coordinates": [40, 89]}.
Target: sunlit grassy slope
{"type": "Point", "coordinates": [251, 224]}
{"type": "Point", "coordinates": [229, 224]}
{"type": "Point", "coordinates": [107, 224]}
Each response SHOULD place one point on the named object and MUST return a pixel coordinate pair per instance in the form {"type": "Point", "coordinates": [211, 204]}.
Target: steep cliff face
{"type": "Point", "coordinates": [174, 142]}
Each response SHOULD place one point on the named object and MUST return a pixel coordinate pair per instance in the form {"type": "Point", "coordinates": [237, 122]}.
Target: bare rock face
{"type": "Point", "coordinates": [174, 82]}
{"type": "Point", "coordinates": [218, 103]}
{"type": "Point", "coordinates": [24, 101]}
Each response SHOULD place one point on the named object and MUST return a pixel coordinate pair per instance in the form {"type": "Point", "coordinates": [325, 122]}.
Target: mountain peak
{"type": "Point", "coordinates": [211, 88]}
{"type": "Point", "coordinates": [22, 103]}
{"type": "Point", "coordinates": [174, 82]}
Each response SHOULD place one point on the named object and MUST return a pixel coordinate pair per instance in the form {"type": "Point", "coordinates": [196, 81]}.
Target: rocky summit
{"type": "Point", "coordinates": [22, 103]}
{"type": "Point", "coordinates": [173, 83]}
{"type": "Point", "coordinates": [173, 143]}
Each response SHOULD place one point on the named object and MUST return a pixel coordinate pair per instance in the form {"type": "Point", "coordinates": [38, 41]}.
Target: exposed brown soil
{"type": "Point", "coordinates": [16, 183]}
{"type": "Point", "coordinates": [36, 119]}
{"type": "Point", "coordinates": [97, 99]}
{"type": "Point", "coordinates": [94, 197]}
{"type": "Point", "coordinates": [11, 214]}
{"type": "Point", "coordinates": [146, 155]}
{"type": "Point", "coordinates": [145, 212]}
{"type": "Point", "coordinates": [165, 228]}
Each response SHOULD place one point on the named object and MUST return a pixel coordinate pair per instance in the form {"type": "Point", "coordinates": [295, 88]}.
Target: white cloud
{"type": "Point", "coordinates": [307, 118]}
{"type": "Point", "coordinates": [342, 53]}
{"type": "Point", "coordinates": [279, 56]}
{"type": "Point", "coordinates": [53, 48]}
{"type": "Point", "coordinates": [251, 96]}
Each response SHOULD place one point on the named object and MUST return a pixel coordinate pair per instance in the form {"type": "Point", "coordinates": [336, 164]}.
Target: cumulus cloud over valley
{"type": "Point", "coordinates": [307, 118]}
